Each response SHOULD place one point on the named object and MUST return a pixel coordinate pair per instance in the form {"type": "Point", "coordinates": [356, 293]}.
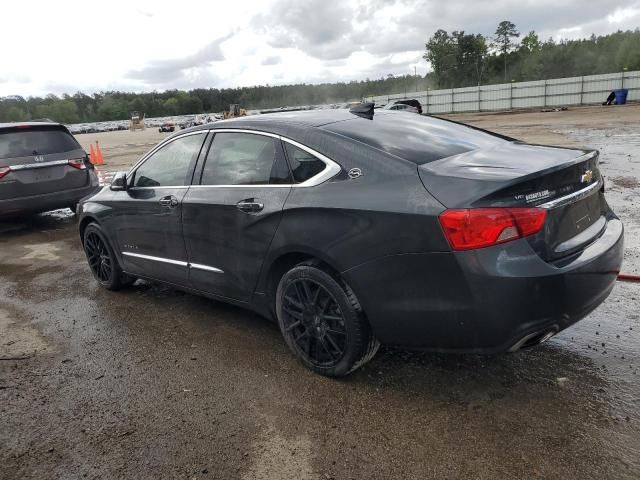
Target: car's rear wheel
{"type": "Point", "coordinates": [102, 261]}
{"type": "Point", "coordinates": [322, 322]}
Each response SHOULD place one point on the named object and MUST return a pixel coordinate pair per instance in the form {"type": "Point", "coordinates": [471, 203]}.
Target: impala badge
{"type": "Point", "coordinates": [586, 177]}
{"type": "Point", "coordinates": [38, 158]}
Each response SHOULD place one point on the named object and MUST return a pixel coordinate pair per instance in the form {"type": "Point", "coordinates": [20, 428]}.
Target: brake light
{"type": "Point", "coordinates": [4, 171]}
{"type": "Point", "coordinates": [77, 163]}
{"type": "Point", "coordinates": [471, 228]}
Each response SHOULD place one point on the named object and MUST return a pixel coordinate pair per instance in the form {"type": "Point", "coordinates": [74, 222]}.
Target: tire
{"type": "Point", "coordinates": [322, 322]}
{"type": "Point", "coordinates": [102, 261]}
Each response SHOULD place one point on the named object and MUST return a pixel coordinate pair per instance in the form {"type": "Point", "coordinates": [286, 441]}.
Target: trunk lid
{"type": "Point", "coordinates": [566, 182]}
{"type": "Point", "coordinates": [37, 156]}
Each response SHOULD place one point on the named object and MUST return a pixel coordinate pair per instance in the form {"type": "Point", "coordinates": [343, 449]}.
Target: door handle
{"type": "Point", "coordinates": [169, 201]}
{"type": "Point", "coordinates": [249, 205]}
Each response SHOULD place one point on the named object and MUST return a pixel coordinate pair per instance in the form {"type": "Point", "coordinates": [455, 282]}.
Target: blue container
{"type": "Point", "coordinates": [621, 96]}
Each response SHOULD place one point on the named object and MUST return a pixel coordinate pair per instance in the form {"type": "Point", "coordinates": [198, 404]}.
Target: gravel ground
{"type": "Point", "coordinates": [155, 383]}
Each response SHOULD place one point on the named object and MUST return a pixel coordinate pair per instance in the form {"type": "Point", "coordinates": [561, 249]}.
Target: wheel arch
{"type": "Point", "coordinates": [285, 261]}
{"type": "Point", "coordinates": [84, 223]}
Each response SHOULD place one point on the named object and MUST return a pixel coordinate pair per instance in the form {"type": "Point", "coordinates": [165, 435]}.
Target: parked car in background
{"type": "Point", "coordinates": [412, 106]}
{"type": "Point", "coordinates": [355, 228]}
{"type": "Point", "coordinates": [42, 167]}
{"type": "Point", "coordinates": [167, 127]}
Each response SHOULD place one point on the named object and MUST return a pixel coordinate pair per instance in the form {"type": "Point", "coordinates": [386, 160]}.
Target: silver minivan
{"type": "Point", "coordinates": [42, 167]}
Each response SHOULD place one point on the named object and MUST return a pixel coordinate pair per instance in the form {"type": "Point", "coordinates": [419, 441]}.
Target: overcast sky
{"type": "Point", "coordinates": [144, 45]}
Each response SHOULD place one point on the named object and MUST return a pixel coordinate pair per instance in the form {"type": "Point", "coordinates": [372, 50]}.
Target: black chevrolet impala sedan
{"type": "Point", "coordinates": [354, 228]}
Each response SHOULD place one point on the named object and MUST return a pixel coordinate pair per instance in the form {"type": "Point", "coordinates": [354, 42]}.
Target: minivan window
{"type": "Point", "coordinates": [244, 159]}
{"type": "Point", "coordinates": [35, 141]}
{"type": "Point", "coordinates": [303, 164]}
{"type": "Point", "coordinates": [169, 166]}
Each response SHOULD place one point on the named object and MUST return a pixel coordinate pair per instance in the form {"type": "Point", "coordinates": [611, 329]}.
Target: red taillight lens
{"type": "Point", "coordinates": [77, 163]}
{"type": "Point", "coordinates": [4, 171]}
{"type": "Point", "coordinates": [471, 228]}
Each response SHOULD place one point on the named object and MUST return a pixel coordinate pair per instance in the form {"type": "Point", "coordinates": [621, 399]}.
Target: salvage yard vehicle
{"type": "Point", "coordinates": [355, 228]}
{"type": "Point", "coordinates": [167, 127]}
{"type": "Point", "coordinates": [412, 106]}
{"type": "Point", "coordinates": [42, 167]}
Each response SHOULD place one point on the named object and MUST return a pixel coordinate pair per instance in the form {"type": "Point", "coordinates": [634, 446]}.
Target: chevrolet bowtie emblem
{"type": "Point", "coordinates": [586, 177]}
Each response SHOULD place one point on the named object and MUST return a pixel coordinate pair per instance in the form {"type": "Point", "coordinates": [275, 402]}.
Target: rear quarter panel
{"type": "Point", "coordinates": [346, 222]}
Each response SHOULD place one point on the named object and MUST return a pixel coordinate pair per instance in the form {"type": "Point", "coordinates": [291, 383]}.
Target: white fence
{"type": "Point", "coordinates": [557, 92]}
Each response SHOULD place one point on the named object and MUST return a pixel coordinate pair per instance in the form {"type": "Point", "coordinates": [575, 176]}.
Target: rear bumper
{"type": "Point", "coordinates": [485, 300]}
{"type": "Point", "coordinates": [48, 201]}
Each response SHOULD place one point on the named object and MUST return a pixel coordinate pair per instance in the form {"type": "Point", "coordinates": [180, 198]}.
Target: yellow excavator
{"type": "Point", "coordinates": [136, 122]}
{"type": "Point", "coordinates": [234, 111]}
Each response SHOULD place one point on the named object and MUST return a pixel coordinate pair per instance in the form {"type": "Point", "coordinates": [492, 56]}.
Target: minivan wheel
{"type": "Point", "coordinates": [102, 261]}
{"type": "Point", "coordinates": [322, 322]}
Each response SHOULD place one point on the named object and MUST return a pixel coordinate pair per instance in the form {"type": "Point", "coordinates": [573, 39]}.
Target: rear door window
{"type": "Point", "coordinates": [303, 165]}
{"type": "Point", "coordinates": [35, 141]}
{"type": "Point", "coordinates": [245, 159]}
{"type": "Point", "coordinates": [171, 165]}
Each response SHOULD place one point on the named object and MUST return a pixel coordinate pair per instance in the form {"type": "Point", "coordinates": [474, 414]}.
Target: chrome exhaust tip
{"type": "Point", "coordinates": [535, 338]}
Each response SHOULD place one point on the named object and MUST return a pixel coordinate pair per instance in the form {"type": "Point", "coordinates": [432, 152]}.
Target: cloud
{"type": "Point", "coordinates": [317, 27]}
{"type": "Point", "coordinates": [16, 78]}
{"type": "Point", "coordinates": [272, 60]}
{"type": "Point", "coordinates": [164, 71]}
{"type": "Point", "coordinates": [272, 42]}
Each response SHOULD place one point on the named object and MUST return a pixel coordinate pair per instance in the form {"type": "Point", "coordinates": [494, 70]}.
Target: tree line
{"type": "Point", "coordinates": [458, 59]}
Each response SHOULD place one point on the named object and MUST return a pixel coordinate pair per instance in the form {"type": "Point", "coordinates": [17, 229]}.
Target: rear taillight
{"type": "Point", "coordinates": [4, 171]}
{"type": "Point", "coordinates": [471, 228]}
{"type": "Point", "coordinates": [78, 163]}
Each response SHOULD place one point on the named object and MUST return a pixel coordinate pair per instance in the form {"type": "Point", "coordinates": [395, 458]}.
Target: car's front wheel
{"type": "Point", "coordinates": [322, 322]}
{"type": "Point", "coordinates": [102, 261]}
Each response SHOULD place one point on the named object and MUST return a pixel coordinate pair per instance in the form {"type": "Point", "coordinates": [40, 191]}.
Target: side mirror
{"type": "Point", "coordinates": [119, 182]}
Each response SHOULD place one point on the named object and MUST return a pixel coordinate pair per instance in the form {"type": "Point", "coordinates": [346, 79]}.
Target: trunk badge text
{"type": "Point", "coordinates": [38, 158]}
{"type": "Point", "coordinates": [532, 197]}
{"type": "Point", "coordinates": [586, 177]}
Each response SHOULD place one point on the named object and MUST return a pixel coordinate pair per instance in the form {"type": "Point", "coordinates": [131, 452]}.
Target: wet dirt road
{"type": "Point", "coordinates": [154, 383]}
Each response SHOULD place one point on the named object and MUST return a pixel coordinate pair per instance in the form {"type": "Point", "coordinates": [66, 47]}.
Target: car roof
{"type": "Point", "coordinates": [29, 124]}
{"type": "Point", "coordinates": [415, 138]}
{"type": "Point", "coordinates": [308, 118]}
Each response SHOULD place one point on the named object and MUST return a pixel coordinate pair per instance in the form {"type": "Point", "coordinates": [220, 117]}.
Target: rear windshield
{"type": "Point", "coordinates": [35, 141]}
{"type": "Point", "coordinates": [417, 138]}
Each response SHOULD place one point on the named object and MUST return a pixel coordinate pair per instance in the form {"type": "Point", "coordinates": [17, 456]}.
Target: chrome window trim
{"type": "Point", "coordinates": [158, 147]}
{"type": "Point", "coordinates": [29, 166]}
{"type": "Point", "coordinates": [572, 197]}
{"type": "Point", "coordinates": [180, 263]}
{"type": "Point", "coordinates": [156, 259]}
{"type": "Point", "coordinates": [332, 168]}
{"type": "Point", "coordinates": [244, 130]}
{"type": "Point", "coordinates": [330, 171]}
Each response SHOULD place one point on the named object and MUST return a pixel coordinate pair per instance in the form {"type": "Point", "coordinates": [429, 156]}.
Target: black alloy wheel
{"type": "Point", "coordinates": [322, 321]}
{"type": "Point", "coordinates": [102, 261]}
{"type": "Point", "coordinates": [313, 318]}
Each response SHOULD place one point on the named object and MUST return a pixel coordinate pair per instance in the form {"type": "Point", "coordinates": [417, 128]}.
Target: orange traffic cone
{"type": "Point", "coordinates": [99, 154]}
{"type": "Point", "coordinates": [92, 155]}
